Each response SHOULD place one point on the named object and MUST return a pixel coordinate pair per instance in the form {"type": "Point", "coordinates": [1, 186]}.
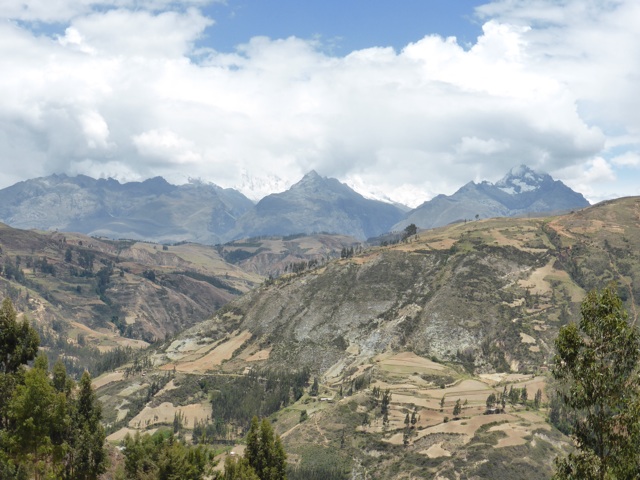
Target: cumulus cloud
{"type": "Point", "coordinates": [124, 91]}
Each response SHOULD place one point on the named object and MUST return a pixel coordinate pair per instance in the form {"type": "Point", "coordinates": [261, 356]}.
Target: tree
{"type": "Point", "coordinates": [597, 365]}
{"type": "Point", "coordinates": [409, 231]}
{"type": "Point", "coordinates": [91, 455]}
{"type": "Point", "coordinates": [164, 457]}
{"type": "Point", "coordinates": [537, 399]}
{"type": "Point", "coordinates": [315, 387]}
{"type": "Point", "coordinates": [18, 341]}
{"type": "Point", "coordinates": [265, 452]}
{"type": "Point", "coordinates": [31, 416]}
{"type": "Point", "coordinates": [457, 409]}
{"type": "Point", "coordinates": [238, 469]}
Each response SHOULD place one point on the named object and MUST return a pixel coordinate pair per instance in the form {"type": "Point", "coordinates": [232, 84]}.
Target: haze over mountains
{"type": "Point", "coordinates": [157, 211]}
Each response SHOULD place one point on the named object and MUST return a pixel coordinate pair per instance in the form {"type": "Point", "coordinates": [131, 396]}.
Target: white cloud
{"type": "Point", "coordinates": [475, 145]}
{"type": "Point", "coordinates": [50, 11]}
{"type": "Point", "coordinates": [627, 159]}
{"type": "Point", "coordinates": [119, 94]}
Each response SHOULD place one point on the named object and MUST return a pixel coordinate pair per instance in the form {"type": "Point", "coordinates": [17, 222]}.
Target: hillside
{"type": "Point", "coordinates": [100, 293]}
{"type": "Point", "coordinates": [460, 312]}
{"type": "Point", "coordinates": [277, 255]}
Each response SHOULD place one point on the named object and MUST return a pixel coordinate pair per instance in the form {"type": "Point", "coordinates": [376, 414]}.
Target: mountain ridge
{"type": "Point", "coordinates": [155, 210]}
{"type": "Point", "coordinates": [520, 191]}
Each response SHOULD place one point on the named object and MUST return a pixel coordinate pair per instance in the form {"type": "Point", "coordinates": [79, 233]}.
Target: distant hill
{"type": "Point", "coordinates": [275, 255]}
{"type": "Point", "coordinates": [318, 204]}
{"type": "Point", "coordinates": [153, 210]}
{"type": "Point", "coordinates": [521, 191]}
{"type": "Point", "coordinates": [113, 293]}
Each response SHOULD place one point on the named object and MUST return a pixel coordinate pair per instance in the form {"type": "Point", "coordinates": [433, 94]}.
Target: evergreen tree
{"type": "Point", "coordinates": [238, 469]}
{"type": "Point", "coordinates": [597, 360]}
{"type": "Point", "coordinates": [265, 452]}
{"type": "Point", "coordinates": [91, 456]}
{"type": "Point", "coordinates": [457, 409]}
{"type": "Point", "coordinates": [315, 387]}
{"type": "Point", "coordinates": [18, 341]}
{"type": "Point", "coordinates": [537, 399]}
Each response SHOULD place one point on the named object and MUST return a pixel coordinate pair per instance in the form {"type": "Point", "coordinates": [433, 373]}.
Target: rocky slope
{"type": "Point", "coordinates": [153, 210]}
{"type": "Point", "coordinates": [318, 204]}
{"type": "Point", "coordinates": [458, 312]}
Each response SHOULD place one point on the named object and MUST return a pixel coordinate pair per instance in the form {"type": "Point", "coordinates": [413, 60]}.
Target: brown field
{"type": "Point", "coordinates": [261, 355]}
{"type": "Point", "coordinates": [105, 340]}
{"type": "Point", "coordinates": [538, 282]}
{"type": "Point", "coordinates": [215, 357]}
{"type": "Point", "coordinates": [131, 389]}
{"type": "Point", "coordinates": [165, 412]}
{"type": "Point", "coordinates": [408, 362]}
{"type": "Point", "coordinates": [117, 437]}
{"type": "Point", "coordinates": [466, 426]}
{"type": "Point", "coordinates": [107, 378]}
{"type": "Point", "coordinates": [436, 451]}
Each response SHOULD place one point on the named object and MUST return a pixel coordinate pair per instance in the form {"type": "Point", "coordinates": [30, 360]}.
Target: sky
{"type": "Point", "coordinates": [402, 99]}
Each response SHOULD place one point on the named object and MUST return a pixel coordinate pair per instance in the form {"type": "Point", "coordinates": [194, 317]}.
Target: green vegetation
{"type": "Point", "coordinates": [264, 458]}
{"type": "Point", "coordinates": [49, 428]}
{"type": "Point", "coordinates": [597, 363]}
{"type": "Point", "coordinates": [162, 456]}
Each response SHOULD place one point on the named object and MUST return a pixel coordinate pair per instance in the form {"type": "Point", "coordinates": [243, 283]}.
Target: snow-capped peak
{"type": "Point", "coordinates": [256, 188]}
{"type": "Point", "coordinates": [520, 179]}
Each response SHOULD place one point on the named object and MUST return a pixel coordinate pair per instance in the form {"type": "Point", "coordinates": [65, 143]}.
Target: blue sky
{"type": "Point", "coordinates": [401, 100]}
{"type": "Point", "coordinates": [342, 26]}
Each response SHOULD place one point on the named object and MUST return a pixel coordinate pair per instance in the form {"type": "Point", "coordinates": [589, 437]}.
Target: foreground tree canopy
{"type": "Point", "coordinates": [264, 458]}
{"type": "Point", "coordinates": [49, 428]}
{"type": "Point", "coordinates": [597, 366]}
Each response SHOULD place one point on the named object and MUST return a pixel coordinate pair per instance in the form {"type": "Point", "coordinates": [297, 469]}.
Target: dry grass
{"type": "Point", "coordinates": [165, 412]}
{"type": "Point", "coordinates": [107, 378]}
{"type": "Point", "coordinates": [436, 451]}
{"type": "Point", "coordinates": [408, 362]}
{"type": "Point", "coordinates": [215, 357]}
{"type": "Point", "coordinates": [260, 355]}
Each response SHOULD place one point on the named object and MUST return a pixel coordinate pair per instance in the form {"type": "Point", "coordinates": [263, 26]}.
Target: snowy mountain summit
{"type": "Point", "coordinates": [521, 191]}
{"type": "Point", "coordinates": [522, 179]}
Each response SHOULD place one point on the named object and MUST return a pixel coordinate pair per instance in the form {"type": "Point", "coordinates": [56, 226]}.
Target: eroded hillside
{"type": "Point", "coordinates": [455, 314]}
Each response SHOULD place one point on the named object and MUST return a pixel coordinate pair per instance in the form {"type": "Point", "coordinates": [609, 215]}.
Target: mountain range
{"type": "Point", "coordinates": [155, 210]}
{"type": "Point", "coordinates": [521, 191]}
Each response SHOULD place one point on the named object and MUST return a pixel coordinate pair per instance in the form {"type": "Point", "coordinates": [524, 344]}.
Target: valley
{"type": "Point", "coordinates": [427, 356]}
{"type": "Point", "coordinates": [456, 313]}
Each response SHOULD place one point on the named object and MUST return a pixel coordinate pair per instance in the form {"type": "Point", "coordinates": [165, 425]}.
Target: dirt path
{"type": "Point", "coordinates": [325, 439]}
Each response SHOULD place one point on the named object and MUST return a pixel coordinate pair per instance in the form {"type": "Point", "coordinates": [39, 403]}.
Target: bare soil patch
{"type": "Point", "coordinates": [165, 412]}
{"type": "Point", "coordinates": [118, 436]}
{"type": "Point", "coordinates": [466, 427]}
{"type": "Point", "coordinates": [215, 357]}
{"type": "Point", "coordinates": [410, 361]}
{"type": "Point", "coordinates": [436, 451]}
{"type": "Point", "coordinates": [261, 355]}
{"type": "Point", "coordinates": [107, 378]}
